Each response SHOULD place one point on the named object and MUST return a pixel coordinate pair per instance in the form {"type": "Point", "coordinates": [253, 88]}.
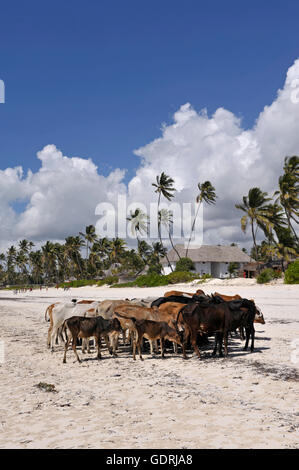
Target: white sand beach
{"type": "Point", "coordinates": [247, 400]}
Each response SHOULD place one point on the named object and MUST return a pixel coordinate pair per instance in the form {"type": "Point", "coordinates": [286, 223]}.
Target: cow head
{"type": "Point", "coordinates": [259, 317]}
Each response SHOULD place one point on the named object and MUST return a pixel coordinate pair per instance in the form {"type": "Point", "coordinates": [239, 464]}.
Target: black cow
{"type": "Point", "coordinates": [84, 327]}
{"type": "Point", "coordinates": [179, 299]}
{"type": "Point", "coordinates": [219, 318]}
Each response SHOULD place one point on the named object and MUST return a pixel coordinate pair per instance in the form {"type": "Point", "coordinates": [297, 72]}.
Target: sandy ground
{"type": "Point", "coordinates": [243, 401]}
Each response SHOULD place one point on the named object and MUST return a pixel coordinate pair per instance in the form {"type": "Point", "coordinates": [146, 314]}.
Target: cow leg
{"type": "Point", "coordinates": [49, 336]}
{"type": "Point", "coordinates": [114, 341]}
{"type": "Point", "coordinates": [252, 339]}
{"type": "Point", "coordinates": [139, 347]}
{"type": "Point", "coordinates": [61, 335]}
{"type": "Point", "coordinates": [248, 331]}
{"type": "Point", "coordinates": [124, 337]}
{"type": "Point", "coordinates": [53, 337]}
{"type": "Point", "coordinates": [108, 344]}
{"type": "Point", "coordinates": [99, 348]}
{"type": "Point", "coordinates": [74, 346]}
{"type": "Point", "coordinates": [162, 347]}
{"type": "Point", "coordinates": [194, 343]}
{"type": "Point", "coordinates": [175, 347]}
{"type": "Point", "coordinates": [215, 345]}
{"type": "Point", "coordinates": [222, 336]}
{"type": "Point", "coordinates": [65, 350]}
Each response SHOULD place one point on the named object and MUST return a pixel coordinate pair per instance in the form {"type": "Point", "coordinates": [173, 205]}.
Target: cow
{"type": "Point", "coordinates": [218, 318]}
{"type": "Point", "coordinates": [61, 313]}
{"type": "Point", "coordinates": [186, 294]}
{"type": "Point", "coordinates": [84, 327]}
{"type": "Point", "coordinates": [143, 313]}
{"type": "Point", "coordinates": [152, 330]}
{"type": "Point", "coordinates": [259, 317]}
{"type": "Point", "coordinates": [178, 299]}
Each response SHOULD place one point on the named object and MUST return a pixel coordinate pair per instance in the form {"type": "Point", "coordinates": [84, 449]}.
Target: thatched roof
{"type": "Point", "coordinates": [209, 253]}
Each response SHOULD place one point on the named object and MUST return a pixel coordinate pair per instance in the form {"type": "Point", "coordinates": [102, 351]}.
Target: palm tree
{"type": "Point", "coordinates": [144, 250]}
{"type": "Point", "coordinates": [10, 262]}
{"type": "Point", "coordinates": [139, 222]}
{"type": "Point", "coordinates": [277, 220]}
{"type": "Point", "coordinates": [117, 247]}
{"type": "Point", "coordinates": [49, 260]}
{"type": "Point", "coordinates": [89, 236]}
{"type": "Point", "coordinates": [36, 262]}
{"type": "Point", "coordinates": [73, 246]}
{"type": "Point", "coordinates": [166, 220]}
{"type": "Point", "coordinates": [207, 194]}
{"type": "Point", "coordinates": [164, 187]}
{"type": "Point", "coordinates": [255, 208]}
{"type": "Point", "coordinates": [288, 193]}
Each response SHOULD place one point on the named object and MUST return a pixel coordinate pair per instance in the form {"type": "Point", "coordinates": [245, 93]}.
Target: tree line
{"type": "Point", "coordinates": [87, 256]}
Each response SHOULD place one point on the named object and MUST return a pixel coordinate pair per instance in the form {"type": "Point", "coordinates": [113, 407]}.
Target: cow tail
{"type": "Point", "coordinates": [64, 327]}
{"type": "Point", "coordinates": [177, 319]}
{"type": "Point", "coordinates": [46, 313]}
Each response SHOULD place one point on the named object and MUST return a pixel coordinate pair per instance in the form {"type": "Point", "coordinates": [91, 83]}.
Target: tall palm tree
{"type": "Point", "coordinates": [164, 187]}
{"type": "Point", "coordinates": [117, 248]}
{"type": "Point", "coordinates": [36, 262]}
{"type": "Point", "coordinates": [166, 220]}
{"type": "Point", "coordinates": [49, 260]}
{"type": "Point", "coordinates": [73, 246]}
{"type": "Point", "coordinates": [10, 262]}
{"type": "Point", "coordinates": [288, 192]}
{"type": "Point", "coordinates": [206, 194]}
{"type": "Point", "coordinates": [255, 208]}
{"type": "Point", "coordinates": [89, 236]}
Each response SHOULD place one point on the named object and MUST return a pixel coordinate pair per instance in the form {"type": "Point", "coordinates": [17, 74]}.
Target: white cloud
{"type": "Point", "coordinates": [62, 196]}
{"type": "Point", "coordinates": [63, 193]}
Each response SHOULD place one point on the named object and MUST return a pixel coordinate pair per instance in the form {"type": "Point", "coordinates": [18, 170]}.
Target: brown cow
{"type": "Point", "coordinates": [186, 294]}
{"type": "Point", "coordinates": [152, 330]}
{"type": "Point", "coordinates": [143, 313]}
{"type": "Point", "coordinates": [84, 327]}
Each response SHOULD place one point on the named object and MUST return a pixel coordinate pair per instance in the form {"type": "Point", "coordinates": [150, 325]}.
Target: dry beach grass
{"type": "Point", "coordinates": [243, 401]}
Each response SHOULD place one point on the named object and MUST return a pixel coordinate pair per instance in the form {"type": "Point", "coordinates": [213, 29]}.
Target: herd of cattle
{"type": "Point", "coordinates": [184, 319]}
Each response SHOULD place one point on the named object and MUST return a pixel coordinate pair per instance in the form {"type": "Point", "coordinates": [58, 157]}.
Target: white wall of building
{"type": "Point", "coordinates": [218, 270]}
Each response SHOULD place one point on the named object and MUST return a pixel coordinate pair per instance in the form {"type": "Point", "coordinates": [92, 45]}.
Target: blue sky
{"type": "Point", "coordinates": [97, 78]}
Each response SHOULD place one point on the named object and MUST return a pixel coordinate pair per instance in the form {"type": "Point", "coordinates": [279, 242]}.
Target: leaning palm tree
{"type": "Point", "coordinates": [164, 187]}
{"type": "Point", "coordinates": [255, 208]}
{"type": "Point", "coordinates": [206, 194]}
{"type": "Point", "coordinates": [139, 222]}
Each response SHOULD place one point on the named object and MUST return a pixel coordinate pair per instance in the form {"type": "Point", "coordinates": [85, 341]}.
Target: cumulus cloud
{"type": "Point", "coordinates": [62, 195]}
{"type": "Point", "coordinates": [196, 147]}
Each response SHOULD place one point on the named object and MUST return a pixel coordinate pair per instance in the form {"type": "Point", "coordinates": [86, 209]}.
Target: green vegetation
{"type": "Point", "coordinates": [268, 275]}
{"type": "Point", "coordinates": [155, 280]}
{"type": "Point", "coordinates": [85, 258]}
{"type": "Point", "coordinates": [275, 218]}
{"type": "Point", "coordinates": [292, 273]}
{"type": "Point", "coordinates": [185, 264]}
